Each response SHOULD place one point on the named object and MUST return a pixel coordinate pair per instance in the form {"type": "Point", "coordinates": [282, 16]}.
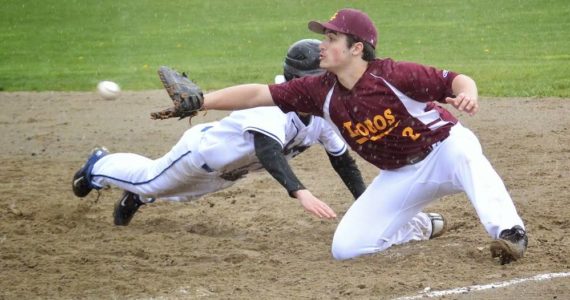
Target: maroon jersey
{"type": "Point", "coordinates": [389, 117]}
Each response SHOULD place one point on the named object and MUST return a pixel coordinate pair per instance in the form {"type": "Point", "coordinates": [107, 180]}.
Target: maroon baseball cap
{"type": "Point", "coordinates": [349, 21]}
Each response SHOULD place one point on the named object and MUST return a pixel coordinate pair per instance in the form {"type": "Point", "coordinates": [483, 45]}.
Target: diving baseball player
{"type": "Point", "coordinates": [213, 156]}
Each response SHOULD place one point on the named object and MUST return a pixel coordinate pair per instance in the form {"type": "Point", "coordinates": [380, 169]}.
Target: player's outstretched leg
{"type": "Point", "coordinates": [511, 245]}
{"type": "Point", "coordinates": [126, 208]}
{"type": "Point", "coordinates": [81, 183]}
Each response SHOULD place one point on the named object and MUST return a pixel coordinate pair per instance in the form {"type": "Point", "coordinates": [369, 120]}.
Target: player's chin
{"type": "Point", "coordinates": [324, 64]}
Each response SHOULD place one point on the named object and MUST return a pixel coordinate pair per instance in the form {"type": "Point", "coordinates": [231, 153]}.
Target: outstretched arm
{"type": "Point", "coordinates": [346, 168]}
{"type": "Point", "coordinates": [239, 97]}
{"type": "Point", "coordinates": [467, 97]}
{"type": "Point", "coordinates": [269, 153]}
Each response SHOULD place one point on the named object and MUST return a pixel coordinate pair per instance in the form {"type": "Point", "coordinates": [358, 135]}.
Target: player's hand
{"type": "Point", "coordinates": [463, 102]}
{"type": "Point", "coordinates": [313, 205]}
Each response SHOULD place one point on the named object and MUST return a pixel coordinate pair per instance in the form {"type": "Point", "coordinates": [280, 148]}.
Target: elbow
{"type": "Point", "coordinates": [464, 84]}
{"type": "Point", "coordinates": [262, 96]}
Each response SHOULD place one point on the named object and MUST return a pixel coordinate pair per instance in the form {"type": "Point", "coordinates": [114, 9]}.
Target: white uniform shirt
{"type": "Point", "coordinates": [227, 145]}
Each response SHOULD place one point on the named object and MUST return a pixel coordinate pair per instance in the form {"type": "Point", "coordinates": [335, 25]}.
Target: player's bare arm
{"type": "Point", "coordinates": [466, 98]}
{"type": "Point", "coordinates": [239, 97]}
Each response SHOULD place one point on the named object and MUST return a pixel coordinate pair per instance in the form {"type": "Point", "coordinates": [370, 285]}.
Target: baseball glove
{"type": "Point", "coordinates": [186, 96]}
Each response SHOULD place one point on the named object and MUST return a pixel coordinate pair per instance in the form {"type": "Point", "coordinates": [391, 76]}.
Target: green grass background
{"type": "Point", "coordinates": [510, 47]}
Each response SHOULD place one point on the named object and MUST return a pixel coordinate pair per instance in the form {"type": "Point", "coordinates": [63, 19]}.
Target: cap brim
{"type": "Point", "coordinates": [317, 27]}
{"type": "Point", "coordinates": [320, 28]}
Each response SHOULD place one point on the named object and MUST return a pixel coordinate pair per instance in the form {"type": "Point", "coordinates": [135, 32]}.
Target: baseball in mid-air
{"type": "Point", "coordinates": [108, 90]}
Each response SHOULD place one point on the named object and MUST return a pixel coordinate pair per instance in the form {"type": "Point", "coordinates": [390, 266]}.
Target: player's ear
{"type": "Point", "coordinates": [357, 48]}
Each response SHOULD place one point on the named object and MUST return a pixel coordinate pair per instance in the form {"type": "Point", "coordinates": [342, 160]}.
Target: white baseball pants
{"type": "Point", "coordinates": [177, 176]}
{"type": "Point", "coordinates": [388, 212]}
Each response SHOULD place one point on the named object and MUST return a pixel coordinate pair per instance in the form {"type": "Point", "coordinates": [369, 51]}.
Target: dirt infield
{"type": "Point", "coordinates": [252, 241]}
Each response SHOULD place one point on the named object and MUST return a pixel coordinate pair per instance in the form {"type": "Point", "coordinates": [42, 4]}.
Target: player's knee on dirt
{"type": "Point", "coordinates": [343, 246]}
{"type": "Point", "coordinates": [342, 251]}
{"type": "Point", "coordinates": [347, 247]}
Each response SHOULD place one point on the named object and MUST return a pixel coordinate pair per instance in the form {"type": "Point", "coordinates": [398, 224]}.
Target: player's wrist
{"type": "Point", "coordinates": [298, 193]}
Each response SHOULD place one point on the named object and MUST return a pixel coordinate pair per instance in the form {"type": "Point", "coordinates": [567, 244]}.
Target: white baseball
{"type": "Point", "coordinates": [108, 90]}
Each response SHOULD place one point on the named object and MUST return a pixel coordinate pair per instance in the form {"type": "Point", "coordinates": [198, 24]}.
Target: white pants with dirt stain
{"type": "Point", "coordinates": [389, 211]}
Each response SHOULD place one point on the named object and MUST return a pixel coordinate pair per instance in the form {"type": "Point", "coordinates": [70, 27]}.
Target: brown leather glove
{"type": "Point", "coordinates": [186, 96]}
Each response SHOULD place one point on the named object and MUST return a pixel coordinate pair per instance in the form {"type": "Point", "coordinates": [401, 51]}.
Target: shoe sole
{"type": "Point", "coordinates": [506, 251]}
{"type": "Point", "coordinates": [77, 178]}
{"type": "Point", "coordinates": [118, 205]}
{"type": "Point", "coordinates": [118, 220]}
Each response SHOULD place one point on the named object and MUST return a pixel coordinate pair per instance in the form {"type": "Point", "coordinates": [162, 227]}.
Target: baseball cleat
{"type": "Point", "coordinates": [438, 225]}
{"type": "Point", "coordinates": [82, 179]}
{"type": "Point", "coordinates": [510, 246]}
{"type": "Point", "coordinates": [126, 208]}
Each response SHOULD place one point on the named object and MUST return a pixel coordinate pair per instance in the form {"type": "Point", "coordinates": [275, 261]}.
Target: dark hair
{"type": "Point", "coordinates": [368, 53]}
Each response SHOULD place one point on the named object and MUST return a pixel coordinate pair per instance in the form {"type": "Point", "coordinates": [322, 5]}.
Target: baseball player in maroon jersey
{"type": "Point", "coordinates": [390, 113]}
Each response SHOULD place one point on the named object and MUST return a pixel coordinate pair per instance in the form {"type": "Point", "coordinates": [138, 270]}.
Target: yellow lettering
{"type": "Point", "coordinates": [409, 132]}
{"type": "Point", "coordinates": [348, 126]}
{"type": "Point", "coordinates": [379, 127]}
{"type": "Point", "coordinates": [362, 129]}
{"type": "Point", "coordinates": [370, 126]}
{"type": "Point", "coordinates": [385, 133]}
{"type": "Point", "coordinates": [333, 16]}
{"type": "Point", "coordinates": [380, 122]}
{"type": "Point", "coordinates": [389, 116]}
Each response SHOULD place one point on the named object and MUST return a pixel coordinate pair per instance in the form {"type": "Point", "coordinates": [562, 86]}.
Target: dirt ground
{"type": "Point", "coordinates": [252, 241]}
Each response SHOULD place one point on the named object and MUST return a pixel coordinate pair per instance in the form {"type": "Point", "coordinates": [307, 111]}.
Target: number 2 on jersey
{"type": "Point", "coordinates": [409, 132]}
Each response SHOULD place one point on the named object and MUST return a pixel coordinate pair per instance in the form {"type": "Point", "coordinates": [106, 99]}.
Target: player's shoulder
{"type": "Point", "coordinates": [387, 65]}
{"type": "Point", "coordinates": [260, 112]}
{"type": "Point", "coordinates": [267, 118]}
{"type": "Point", "coordinates": [393, 70]}
{"type": "Point", "coordinates": [322, 81]}
{"type": "Point", "coordinates": [406, 66]}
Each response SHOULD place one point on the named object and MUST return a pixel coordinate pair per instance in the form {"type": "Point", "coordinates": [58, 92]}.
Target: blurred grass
{"type": "Point", "coordinates": [510, 47]}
